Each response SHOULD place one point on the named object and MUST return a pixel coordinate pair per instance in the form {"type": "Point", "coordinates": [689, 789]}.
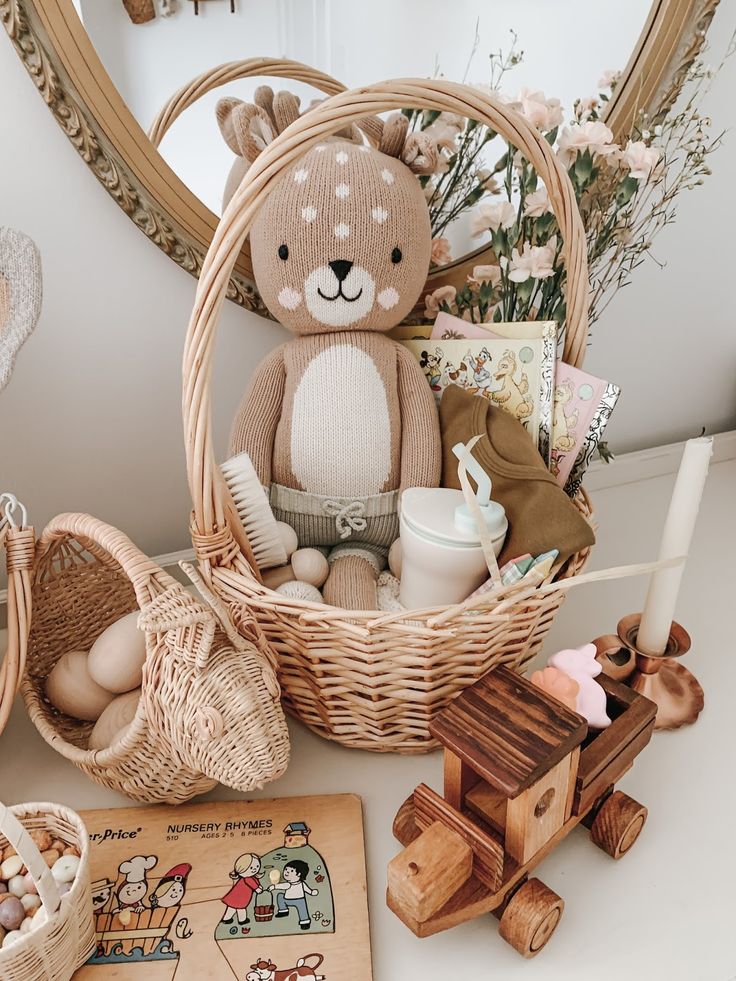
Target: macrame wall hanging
{"type": "Point", "coordinates": [20, 296]}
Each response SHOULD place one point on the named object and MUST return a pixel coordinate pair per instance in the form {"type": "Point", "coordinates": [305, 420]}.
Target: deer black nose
{"type": "Point", "coordinates": [341, 268]}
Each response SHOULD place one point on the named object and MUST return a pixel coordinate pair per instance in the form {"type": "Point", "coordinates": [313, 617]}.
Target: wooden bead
{"type": "Point", "coordinates": [288, 538]}
{"type": "Point", "coordinates": [310, 565]}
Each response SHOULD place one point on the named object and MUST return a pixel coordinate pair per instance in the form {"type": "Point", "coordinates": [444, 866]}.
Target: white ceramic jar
{"type": "Point", "coordinates": [442, 558]}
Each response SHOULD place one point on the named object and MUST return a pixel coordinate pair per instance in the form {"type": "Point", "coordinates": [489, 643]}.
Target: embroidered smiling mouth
{"type": "Point", "coordinates": [348, 299]}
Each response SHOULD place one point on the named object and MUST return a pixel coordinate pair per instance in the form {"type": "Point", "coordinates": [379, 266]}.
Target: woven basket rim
{"type": "Point", "coordinates": [38, 809]}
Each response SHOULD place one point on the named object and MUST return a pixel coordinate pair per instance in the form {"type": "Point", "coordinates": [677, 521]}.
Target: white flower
{"type": "Point", "coordinates": [641, 159]}
{"type": "Point", "coordinates": [594, 136]}
{"type": "Point", "coordinates": [537, 203]}
{"type": "Point", "coordinates": [442, 134]}
{"type": "Point", "coordinates": [542, 113]}
{"type": "Point", "coordinates": [441, 254]}
{"type": "Point", "coordinates": [485, 274]}
{"type": "Point", "coordinates": [608, 79]}
{"type": "Point", "coordinates": [535, 261]}
{"type": "Point", "coordinates": [584, 107]}
{"type": "Point", "coordinates": [432, 301]}
{"type": "Point", "coordinates": [493, 216]}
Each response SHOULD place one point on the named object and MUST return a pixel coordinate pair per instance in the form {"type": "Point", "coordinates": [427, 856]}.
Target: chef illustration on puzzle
{"type": "Point", "coordinates": [134, 887]}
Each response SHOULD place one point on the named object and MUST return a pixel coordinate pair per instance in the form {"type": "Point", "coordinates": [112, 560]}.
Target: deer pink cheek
{"type": "Point", "coordinates": [289, 298]}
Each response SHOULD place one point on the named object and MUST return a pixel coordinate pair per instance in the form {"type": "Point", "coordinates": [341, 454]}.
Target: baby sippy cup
{"type": "Point", "coordinates": [442, 557]}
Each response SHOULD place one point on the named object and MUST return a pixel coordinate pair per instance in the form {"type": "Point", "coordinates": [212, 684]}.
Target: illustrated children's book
{"type": "Point", "coordinates": [512, 365]}
{"type": "Point", "coordinates": [261, 890]}
{"type": "Point", "coordinates": [582, 406]}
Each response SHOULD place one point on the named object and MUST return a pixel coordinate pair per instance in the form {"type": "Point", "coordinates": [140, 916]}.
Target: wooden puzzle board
{"type": "Point", "coordinates": [175, 892]}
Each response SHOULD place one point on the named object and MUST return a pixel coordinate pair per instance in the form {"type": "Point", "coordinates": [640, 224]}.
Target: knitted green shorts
{"type": "Point", "coordinates": [323, 520]}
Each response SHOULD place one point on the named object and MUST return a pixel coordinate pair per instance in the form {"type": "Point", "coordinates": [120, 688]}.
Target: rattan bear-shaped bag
{"type": "Point", "coordinates": [209, 709]}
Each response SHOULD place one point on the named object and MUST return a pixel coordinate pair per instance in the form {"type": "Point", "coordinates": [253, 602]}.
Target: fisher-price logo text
{"type": "Point", "coordinates": [119, 834]}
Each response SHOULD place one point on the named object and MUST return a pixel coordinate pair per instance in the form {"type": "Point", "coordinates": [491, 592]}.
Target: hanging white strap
{"type": "Point", "coordinates": [486, 542]}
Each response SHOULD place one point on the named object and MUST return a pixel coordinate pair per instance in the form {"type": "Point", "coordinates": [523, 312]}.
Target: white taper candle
{"type": "Point", "coordinates": [659, 609]}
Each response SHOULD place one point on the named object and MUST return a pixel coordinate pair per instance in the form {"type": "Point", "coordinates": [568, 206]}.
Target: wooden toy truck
{"type": "Point", "coordinates": [521, 771]}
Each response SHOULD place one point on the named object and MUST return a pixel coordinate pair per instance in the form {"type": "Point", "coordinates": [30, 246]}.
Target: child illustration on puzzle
{"type": "Point", "coordinates": [290, 894]}
{"type": "Point", "coordinates": [246, 885]}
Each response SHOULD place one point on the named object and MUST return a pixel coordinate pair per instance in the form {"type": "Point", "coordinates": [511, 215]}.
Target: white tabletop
{"type": "Point", "coordinates": [666, 911]}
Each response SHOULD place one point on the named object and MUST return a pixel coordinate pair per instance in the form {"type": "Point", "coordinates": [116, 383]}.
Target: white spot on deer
{"type": "Point", "coordinates": [364, 148]}
{"type": "Point", "coordinates": [342, 190]}
{"type": "Point", "coordinates": [388, 298]}
{"type": "Point", "coordinates": [387, 176]}
{"type": "Point", "coordinates": [289, 298]}
{"type": "Point", "coordinates": [342, 230]}
{"type": "Point", "coordinates": [320, 148]}
{"type": "Point", "coordinates": [379, 215]}
{"type": "Point", "coordinates": [341, 157]}
{"type": "Point", "coordinates": [301, 175]}
{"type": "Point", "coordinates": [309, 213]}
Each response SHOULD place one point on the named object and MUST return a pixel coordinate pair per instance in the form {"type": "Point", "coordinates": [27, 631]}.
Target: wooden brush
{"type": "Point", "coordinates": [270, 540]}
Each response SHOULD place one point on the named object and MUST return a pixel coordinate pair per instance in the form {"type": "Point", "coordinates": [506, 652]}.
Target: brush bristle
{"type": "Point", "coordinates": [254, 511]}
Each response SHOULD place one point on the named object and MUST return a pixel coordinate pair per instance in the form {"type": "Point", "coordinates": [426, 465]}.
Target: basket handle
{"type": "Point", "coordinates": [232, 71]}
{"type": "Point", "coordinates": [19, 541]}
{"type": "Point", "coordinates": [327, 118]}
{"type": "Point", "coordinates": [27, 849]}
{"type": "Point", "coordinates": [139, 568]}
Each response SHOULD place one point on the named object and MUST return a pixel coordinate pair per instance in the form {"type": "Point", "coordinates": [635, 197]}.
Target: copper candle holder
{"type": "Point", "coordinates": [661, 678]}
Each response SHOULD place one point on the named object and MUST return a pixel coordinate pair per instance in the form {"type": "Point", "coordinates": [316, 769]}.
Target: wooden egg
{"type": "Point", "coordinates": [310, 565]}
{"type": "Point", "coordinates": [72, 690]}
{"type": "Point", "coordinates": [117, 716]}
{"type": "Point", "coordinates": [117, 656]}
{"type": "Point", "coordinates": [288, 538]}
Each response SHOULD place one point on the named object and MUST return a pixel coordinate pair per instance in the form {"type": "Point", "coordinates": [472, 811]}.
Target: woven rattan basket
{"type": "Point", "coordinates": [363, 679]}
{"type": "Point", "coordinates": [209, 709]}
{"type": "Point", "coordinates": [19, 542]}
{"type": "Point", "coordinates": [55, 949]}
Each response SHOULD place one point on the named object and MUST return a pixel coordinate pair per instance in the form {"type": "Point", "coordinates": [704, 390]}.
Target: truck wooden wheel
{"type": "Point", "coordinates": [531, 917]}
{"type": "Point", "coordinates": [618, 824]}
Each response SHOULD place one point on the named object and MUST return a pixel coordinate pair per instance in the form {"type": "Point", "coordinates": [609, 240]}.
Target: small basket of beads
{"type": "Point", "coordinates": [46, 925]}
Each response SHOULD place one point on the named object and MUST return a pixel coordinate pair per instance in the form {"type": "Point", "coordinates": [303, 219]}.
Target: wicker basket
{"type": "Point", "coordinates": [54, 950]}
{"type": "Point", "coordinates": [209, 709]}
{"type": "Point", "coordinates": [363, 679]}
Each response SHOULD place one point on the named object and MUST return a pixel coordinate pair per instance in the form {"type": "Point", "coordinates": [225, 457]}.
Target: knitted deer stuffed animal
{"type": "Point", "coordinates": [339, 420]}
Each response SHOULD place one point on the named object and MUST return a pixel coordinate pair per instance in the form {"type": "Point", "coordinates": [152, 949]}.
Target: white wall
{"type": "Point", "coordinates": [90, 420]}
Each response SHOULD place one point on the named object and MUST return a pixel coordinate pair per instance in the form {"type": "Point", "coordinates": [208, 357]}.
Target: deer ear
{"type": "Point", "coordinates": [285, 110]}
{"type": "Point", "coordinates": [247, 128]}
{"type": "Point", "coordinates": [224, 110]}
{"type": "Point", "coordinates": [393, 136]}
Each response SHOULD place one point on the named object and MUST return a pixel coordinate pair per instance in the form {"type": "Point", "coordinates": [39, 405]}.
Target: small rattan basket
{"type": "Point", "coordinates": [363, 679]}
{"type": "Point", "coordinates": [55, 949]}
{"type": "Point", "coordinates": [210, 703]}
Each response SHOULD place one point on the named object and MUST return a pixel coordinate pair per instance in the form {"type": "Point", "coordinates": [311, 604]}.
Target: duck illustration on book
{"type": "Point", "coordinates": [513, 396]}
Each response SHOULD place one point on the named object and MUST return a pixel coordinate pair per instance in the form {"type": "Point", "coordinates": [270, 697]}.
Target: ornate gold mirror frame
{"type": "Point", "coordinates": [61, 60]}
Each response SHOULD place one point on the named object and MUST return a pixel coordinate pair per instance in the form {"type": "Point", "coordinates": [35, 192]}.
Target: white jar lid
{"type": "Point", "coordinates": [430, 513]}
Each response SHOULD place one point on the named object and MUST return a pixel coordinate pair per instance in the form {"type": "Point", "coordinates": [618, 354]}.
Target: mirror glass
{"type": "Point", "coordinates": [562, 48]}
